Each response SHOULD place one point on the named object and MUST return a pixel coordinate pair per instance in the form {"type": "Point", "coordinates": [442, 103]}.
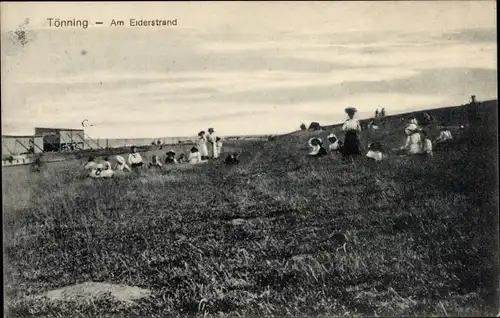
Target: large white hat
{"type": "Point", "coordinates": [120, 159]}
{"type": "Point", "coordinates": [315, 138]}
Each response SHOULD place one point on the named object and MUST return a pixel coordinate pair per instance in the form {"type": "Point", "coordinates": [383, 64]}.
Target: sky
{"type": "Point", "coordinates": [240, 67]}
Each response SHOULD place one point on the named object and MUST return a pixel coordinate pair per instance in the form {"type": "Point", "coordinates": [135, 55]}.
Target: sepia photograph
{"type": "Point", "coordinates": [250, 159]}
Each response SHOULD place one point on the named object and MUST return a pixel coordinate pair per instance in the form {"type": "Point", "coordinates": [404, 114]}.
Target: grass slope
{"type": "Point", "coordinates": [265, 238]}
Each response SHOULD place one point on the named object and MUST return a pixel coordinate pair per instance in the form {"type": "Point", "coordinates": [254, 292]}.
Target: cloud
{"type": "Point", "coordinates": [137, 82]}
{"type": "Point", "coordinates": [475, 35]}
{"type": "Point", "coordinates": [428, 82]}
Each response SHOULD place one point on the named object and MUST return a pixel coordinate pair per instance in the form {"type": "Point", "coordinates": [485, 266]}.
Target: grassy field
{"type": "Point", "coordinates": [266, 238]}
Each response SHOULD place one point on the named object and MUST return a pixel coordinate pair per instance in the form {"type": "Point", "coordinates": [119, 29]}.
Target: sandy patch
{"type": "Point", "coordinates": [95, 291]}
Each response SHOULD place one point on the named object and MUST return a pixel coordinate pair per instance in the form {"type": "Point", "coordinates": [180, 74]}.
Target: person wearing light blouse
{"type": "Point", "coordinates": [351, 146]}
{"type": "Point", "coordinates": [202, 145]}
{"type": "Point", "coordinates": [121, 165]}
{"type": "Point", "coordinates": [134, 159]}
{"type": "Point", "coordinates": [195, 157]}
{"type": "Point", "coordinates": [414, 142]}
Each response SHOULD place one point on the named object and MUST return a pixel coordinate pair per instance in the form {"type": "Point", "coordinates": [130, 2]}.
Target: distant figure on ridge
{"type": "Point", "coordinates": [382, 113]}
{"type": "Point", "coordinates": [473, 118]}
{"type": "Point", "coordinates": [352, 145]}
{"type": "Point", "coordinates": [376, 113]}
{"type": "Point", "coordinates": [202, 145]}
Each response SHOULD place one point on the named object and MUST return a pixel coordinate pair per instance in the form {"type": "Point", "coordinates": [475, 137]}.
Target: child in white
{"type": "Point", "coordinates": [121, 165]}
{"type": "Point", "coordinates": [218, 143]}
{"type": "Point", "coordinates": [202, 145]}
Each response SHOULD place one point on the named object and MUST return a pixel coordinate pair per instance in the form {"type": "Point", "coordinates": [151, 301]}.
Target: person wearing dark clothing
{"type": "Point", "coordinates": [37, 164]}
{"type": "Point", "coordinates": [170, 159]}
{"type": "Point", "coordinates": [352, 145]}
{"type": "Point", "coordinates": [232, 159]}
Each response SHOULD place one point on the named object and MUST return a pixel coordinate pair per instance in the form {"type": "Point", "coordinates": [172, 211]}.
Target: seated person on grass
{"type": "Point", "coordinates": [317, 147]}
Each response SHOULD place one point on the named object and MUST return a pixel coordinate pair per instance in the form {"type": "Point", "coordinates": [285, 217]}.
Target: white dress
{"type": "Point", "coordinates": [202, 146]}
{"type": "Point", "coordinates": [195, 158]}
{"type": "Point", "coordinates": [219, 147]}
{"type": "Point", "coordinates": [213, 147]}
{"type": "Point", "coordinates": [97, 171]}
{"type": "Point", "coordinates": [413, 139]}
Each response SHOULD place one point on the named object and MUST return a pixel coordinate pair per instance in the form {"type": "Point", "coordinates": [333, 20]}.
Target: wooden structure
{"type": "Point", "coordinates": [62, 139]}
{"type": "Point", "coordinates": [21, 145]}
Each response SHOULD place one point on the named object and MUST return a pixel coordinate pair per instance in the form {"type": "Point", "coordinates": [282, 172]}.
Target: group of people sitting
{"type": "Point", "coordinates": [135, 162]}
{"type": "Point", "coordinates": [417, 142]}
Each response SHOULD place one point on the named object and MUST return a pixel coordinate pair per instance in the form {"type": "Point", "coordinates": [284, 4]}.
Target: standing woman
{"type": "Point", "coordinates": [213, 143]}
{"type": "Point", "coordinates": [202, 145]}
{"type": "Point", "coordinates": [351, 146]}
